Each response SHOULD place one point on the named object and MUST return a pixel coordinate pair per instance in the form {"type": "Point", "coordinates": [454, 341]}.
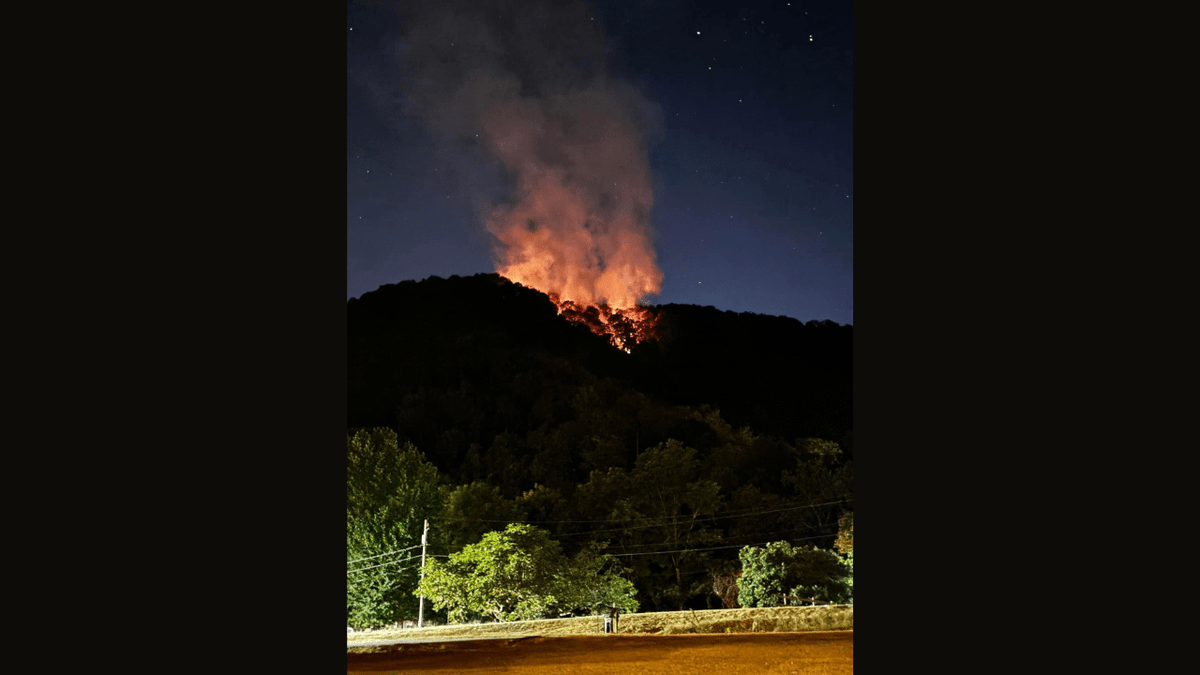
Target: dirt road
{"type": "Point", "coordinates": [789, 653]}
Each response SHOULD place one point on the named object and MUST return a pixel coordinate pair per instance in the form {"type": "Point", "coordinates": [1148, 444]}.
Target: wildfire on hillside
{"type": "Point", "coordinates": [623, 327]}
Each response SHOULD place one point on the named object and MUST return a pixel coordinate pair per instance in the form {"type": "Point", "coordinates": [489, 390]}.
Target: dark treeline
{"type": "Point", "coordinates": [719, 431]}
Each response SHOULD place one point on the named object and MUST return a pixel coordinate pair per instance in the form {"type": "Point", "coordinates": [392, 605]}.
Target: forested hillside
{"type": "Point", "coordinates": [722, 430]}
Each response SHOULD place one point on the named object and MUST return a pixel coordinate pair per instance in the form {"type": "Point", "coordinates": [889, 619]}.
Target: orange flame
{"type": "Point", "coordinates": [623, 327]}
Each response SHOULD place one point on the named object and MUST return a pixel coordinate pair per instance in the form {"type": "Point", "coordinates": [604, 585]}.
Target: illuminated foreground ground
{"type": "Point", "coordinates": [812, 652]}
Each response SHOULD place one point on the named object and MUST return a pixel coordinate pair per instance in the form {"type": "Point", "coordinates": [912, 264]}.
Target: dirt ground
{"type": "Point", "coordinates": [811, 652]}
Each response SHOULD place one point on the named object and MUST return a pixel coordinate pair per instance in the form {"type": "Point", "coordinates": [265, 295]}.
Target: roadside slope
{"type": "Point", "coordinates": [745, 620]}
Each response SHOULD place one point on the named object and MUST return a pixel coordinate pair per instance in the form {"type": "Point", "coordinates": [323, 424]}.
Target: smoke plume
{"type": "Point", "coordinates": [528, 81]}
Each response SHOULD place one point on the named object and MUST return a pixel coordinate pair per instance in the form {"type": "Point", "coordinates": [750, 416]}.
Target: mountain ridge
{"type": "Point", "coordinates": [453, 364]}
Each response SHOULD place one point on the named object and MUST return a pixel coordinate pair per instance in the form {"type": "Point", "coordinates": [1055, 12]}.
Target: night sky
{"type": "Point", "coordinates": [749, 134]}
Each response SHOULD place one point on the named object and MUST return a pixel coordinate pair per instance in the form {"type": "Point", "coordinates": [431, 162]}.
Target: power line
{"type": "Point", "coordinates": [669, 520]}
{"type": "Point", "coordinates": [399, 570]}
{"type": "Point", "coordinates": [741, 513]}
{"type": "Point", "coordinates": [398, 561]}
{"type": "Point", "coordinates": [792, 530]}
{"type": "Point", "coordinates": [363, 569]}
{"type": "Point", "coordinates": [351, 562]}
{"type": "Point", "coordinates": [676, 519]}
{"type": "Point", "coordinates": [686, 550]}
{"type": "Point", "coordinates": [673, 520]}
{"type": "Point", "coordinates": [750, 511]}
{"type": "Point", "coordinates": [713, 548]}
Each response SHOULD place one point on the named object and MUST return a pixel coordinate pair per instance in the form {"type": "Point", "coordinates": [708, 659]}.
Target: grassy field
{"type": "Point", "coordinates": [746, 620]}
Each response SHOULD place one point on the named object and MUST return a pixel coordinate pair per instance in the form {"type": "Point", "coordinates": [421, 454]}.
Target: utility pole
{"type": "Point", "coordinates": [421, 608]}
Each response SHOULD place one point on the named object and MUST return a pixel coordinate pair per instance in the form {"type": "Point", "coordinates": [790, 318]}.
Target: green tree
{"type": "Point", "coordinates": [757, 514]}
{"type": "Point", "coordinates": [601, 443]}
{"type": "Point", "coordinates": [845, 545]}
{"type": "Point", "coordinates": [820, 476]}
{"type": "Point", "coordinates": [471, 511]}
{"type": "Point", "coordinates": [845, 539]}
{"type": "Point", "coordinates": [505, 464]}
{"type": "Point", "coordinates": [670, 491]}
{"type": "Point", "coordinates": [553, 451]}
{"type": "Point", "coordinates": [390, 490]}
{"type": "Point", "coordinates": [521, 574]}
{"type": "Point", "coordinates": [663, 504]}
{"type": "Point", "coordinates": [779, 569]}
{"type": "Point", "coordinates": [542, 504]}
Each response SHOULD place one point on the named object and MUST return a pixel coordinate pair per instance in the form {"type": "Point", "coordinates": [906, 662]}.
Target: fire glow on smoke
{"type": "Point", "coordinates": [528, 82]}
{"type": "Point", "coordinates": [578, 227]}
